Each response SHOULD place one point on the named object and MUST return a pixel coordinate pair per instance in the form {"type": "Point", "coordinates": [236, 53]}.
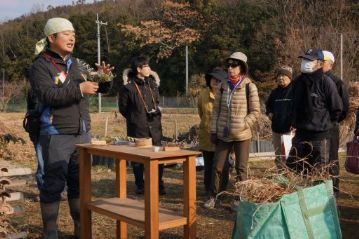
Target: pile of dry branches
{"type": "Point", "coordinates": [276, 183]}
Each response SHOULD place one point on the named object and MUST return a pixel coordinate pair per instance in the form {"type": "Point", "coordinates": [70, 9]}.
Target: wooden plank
{"type": "Point", "coordinates": [189, 197]}
{"type": "Point", "coordinates": [135, 153]}
{"type": "Point", "coordinates": [133, 212]}
{"type": "Point", "coordinates": [171, 161]}
{"type": "Point", "coordinates": [151, 200]}
{"type": "Point", "coordinates": [85, 194]}
{"type": "Point", "coordinates": [121, 189]}
{"type": "Point", "coordinates": [16, 172]}
{"type": "Point", "coordinates": [19, 235]}
{"type": "Point", "coordinates": [17, 183]}
{"type": "Point", "coordinates": [16, 196]}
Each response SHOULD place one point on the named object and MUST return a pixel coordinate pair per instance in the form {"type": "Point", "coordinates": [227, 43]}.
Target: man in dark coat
{"type": "Point", "coordinates": [334, 139]}
{"type": "Point", "coordinates": [138, 102]}
{"type": "Point", "coordinates": [278, 109]}
{"type": "Point", "coordinates": [316, 106]}
{"type": "Point", "coordinates": [61, 91]}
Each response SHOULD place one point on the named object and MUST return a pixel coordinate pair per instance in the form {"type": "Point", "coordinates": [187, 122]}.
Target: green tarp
{"type": "Point", "coordinates": [309, 213]}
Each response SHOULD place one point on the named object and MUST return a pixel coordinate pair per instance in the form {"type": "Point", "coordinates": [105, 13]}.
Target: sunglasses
{"type": "Point", "coordinates": [232, 65]}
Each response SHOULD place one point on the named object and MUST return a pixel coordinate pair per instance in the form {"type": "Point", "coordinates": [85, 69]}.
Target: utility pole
{"type": "Point", "coordinates": [99, 23]}
{"type": "Point", "coordinates": [3, 83]}
{"type": "Point", "coordinates": [186, 70]}
{"type": "Point", "coordinates": [341, 56]}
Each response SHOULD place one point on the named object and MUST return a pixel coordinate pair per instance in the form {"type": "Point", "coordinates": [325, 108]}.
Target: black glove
{"type": "Point", "coordinates": [214, 138]}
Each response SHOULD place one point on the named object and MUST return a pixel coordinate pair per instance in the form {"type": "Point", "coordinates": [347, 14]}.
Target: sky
{"type": "Point", "coordinates": [10, 9]}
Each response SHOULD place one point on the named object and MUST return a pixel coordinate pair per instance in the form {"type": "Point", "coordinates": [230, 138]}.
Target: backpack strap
{"type": "Point", "coordinates": [247, 97]}
{"type": "Point", "coordinates": [219, 107]}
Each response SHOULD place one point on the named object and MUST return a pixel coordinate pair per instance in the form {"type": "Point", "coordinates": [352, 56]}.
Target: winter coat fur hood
{"type": "Point", "coordinates": [126, 74]}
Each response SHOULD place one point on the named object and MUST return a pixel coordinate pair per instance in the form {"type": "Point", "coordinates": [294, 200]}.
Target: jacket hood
{"type": "Point", "coordinates": [127, 73]}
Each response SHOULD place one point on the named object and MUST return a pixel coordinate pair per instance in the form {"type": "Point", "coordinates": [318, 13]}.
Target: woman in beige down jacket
{"type": "Point", "coordinates": [235, 111]}
{"type": "Point", "coordinates": [205, 108]}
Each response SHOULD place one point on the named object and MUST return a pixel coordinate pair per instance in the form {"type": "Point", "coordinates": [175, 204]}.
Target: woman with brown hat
{"type": "Point", "coordinates": [235, 111]}
{"type": "Point", "coordinates": [205, 107]}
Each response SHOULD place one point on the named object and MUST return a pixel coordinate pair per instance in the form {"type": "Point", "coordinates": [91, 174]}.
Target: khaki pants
{"type": "Point", "coordinates": [277, 145]}
{"type": "Point", "coordinates": [277, 148]}
{"type": "Point", "coordinates": [241, 150]}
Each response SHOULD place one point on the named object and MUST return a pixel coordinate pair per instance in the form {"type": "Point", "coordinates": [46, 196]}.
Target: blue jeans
{"type": "Point", "coordinates": [40, 172]}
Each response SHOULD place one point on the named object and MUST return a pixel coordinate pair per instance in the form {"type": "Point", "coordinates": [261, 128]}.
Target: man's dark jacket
{"type": "Point", "coordinates": [279, 104]}
{"type": "Point", "coordinates": [65, 110]}
{"type": "Point", "coordinates": [343, 93]}
{"type": "Point", "coordinates": [139, 123]}
{"type": "Point", "coordinates": [316, 105]}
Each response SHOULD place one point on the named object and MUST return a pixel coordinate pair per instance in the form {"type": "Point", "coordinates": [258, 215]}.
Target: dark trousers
{"type": "Point", "coordinates": [306, 155]}
{"type": "Point", "coordinates": [241, 150]}
{"type": "Point", "coordinates": [334, 157]}
{"type": "Point", "coordinates": [138, 169]}
{"type": "Point", "coordinates": [61, 166]}
{"type": "Point", "coordinates": [208, 157]}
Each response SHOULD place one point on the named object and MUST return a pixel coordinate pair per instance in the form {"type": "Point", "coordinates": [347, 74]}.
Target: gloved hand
{"type": "Point", "coordinates": [214, 138]}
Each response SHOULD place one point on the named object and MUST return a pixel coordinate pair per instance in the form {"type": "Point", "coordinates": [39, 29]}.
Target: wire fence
{"type": "Point", "coordinates": [109, 104]}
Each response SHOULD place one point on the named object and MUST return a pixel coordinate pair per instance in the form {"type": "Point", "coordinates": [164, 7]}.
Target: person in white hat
{"type": "Point", "coordinates": [236, 109]}
{"type": "Point", "coordinates": [334, 134]}
{"type": "Point", "coordinates": [59, 91]}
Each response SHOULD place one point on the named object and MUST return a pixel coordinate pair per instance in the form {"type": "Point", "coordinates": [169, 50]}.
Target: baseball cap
{"type": "Point", "coordinates": [313, 54]}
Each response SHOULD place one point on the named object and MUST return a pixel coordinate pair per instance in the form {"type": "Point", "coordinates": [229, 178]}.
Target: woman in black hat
{"type": "Point", "coordinates": [206, 98]}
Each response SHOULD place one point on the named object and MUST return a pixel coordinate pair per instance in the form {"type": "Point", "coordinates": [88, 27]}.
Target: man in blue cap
{"type": "Point", "coordinates": [316, 106]}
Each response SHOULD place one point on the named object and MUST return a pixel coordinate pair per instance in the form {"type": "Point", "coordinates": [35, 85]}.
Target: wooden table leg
{"type": "Point", "coordinates": [189, 199]}
{"type": "Point", "coordinates": [121, 191]}
{"type": "Point", "coordinates": [85, 194]}
{"type": "Point", "coordinates": [151, 200]}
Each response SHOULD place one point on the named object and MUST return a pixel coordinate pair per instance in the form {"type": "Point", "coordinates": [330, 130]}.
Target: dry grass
{"type": "Point", "coordinates": [273, 183]}
{"type": "Point", "coordinates": [211, 224]}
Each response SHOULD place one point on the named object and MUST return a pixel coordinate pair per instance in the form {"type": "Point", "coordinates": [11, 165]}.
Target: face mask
{"type": "Point", "coordinates": [308, 66]}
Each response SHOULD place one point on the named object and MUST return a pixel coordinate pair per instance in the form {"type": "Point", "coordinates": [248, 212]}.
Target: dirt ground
{"type": "Point", "coordinates": [216, 223]}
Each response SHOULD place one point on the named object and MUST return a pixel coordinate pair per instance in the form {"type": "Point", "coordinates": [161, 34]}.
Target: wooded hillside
{"type": "Point", "coordinates": [270, 32]}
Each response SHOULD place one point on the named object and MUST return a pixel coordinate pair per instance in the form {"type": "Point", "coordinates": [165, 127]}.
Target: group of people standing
{"type": "Point", "coordinates": [310, 107]}
{"type": "Point", "coordinates": [229, 106]}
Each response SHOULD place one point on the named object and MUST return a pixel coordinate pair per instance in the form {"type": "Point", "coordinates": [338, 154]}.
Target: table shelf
{"type": "Point", "coordinates": [133, 212]}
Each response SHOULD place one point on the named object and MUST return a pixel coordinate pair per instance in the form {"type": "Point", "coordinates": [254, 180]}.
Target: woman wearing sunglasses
{"type": "Point", "coordinates": [236, 109]}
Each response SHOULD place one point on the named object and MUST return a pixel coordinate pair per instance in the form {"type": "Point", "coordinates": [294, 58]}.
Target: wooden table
{"type": "Point", "coordinates": [147, 214]}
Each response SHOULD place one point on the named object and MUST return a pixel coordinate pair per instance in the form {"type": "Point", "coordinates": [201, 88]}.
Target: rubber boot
{"type": "Point", "coordinates": [49, 212]}
{"type": "Point", "coordinates": [75, 214]}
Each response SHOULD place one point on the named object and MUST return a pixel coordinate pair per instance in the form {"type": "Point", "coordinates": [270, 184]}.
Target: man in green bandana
{"type": "Point", "coordinates": [60, 87]}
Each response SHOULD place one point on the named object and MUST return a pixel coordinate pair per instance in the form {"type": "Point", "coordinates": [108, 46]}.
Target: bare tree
{"type": "Point", "coordinates": [8, 91]}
